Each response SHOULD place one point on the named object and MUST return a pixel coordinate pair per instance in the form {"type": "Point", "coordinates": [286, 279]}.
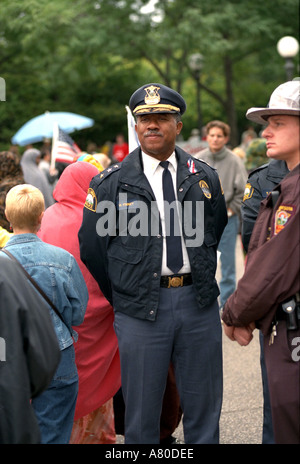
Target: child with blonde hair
{"type": "Point", "coordinates": [24, 207]}
{"type": "Point", "coordinates": [58, 275]}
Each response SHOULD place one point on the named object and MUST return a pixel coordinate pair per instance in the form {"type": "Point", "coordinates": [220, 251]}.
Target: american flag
{"type": "Point", "coordinates": [64, 149]}
{"type": "Point", "coordinates": [133, 140]}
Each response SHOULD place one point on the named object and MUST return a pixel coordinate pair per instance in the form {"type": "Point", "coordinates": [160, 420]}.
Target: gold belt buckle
{"type": "Point", "coordinates": [175, 281]}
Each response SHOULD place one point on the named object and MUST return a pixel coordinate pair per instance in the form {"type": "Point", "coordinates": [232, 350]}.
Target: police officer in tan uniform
{"type": "Point", "coordinates": [267, 296]}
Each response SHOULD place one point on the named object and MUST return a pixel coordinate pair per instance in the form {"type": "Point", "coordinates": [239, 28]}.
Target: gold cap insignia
{"type": "Point", "coordinates": [152, 96]}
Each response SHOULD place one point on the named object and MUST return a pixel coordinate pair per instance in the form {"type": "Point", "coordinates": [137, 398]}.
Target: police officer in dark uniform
{"type": "Point", "coordinates": [150, 232]}
{"type": "Point", "coordinates": [260, 183]}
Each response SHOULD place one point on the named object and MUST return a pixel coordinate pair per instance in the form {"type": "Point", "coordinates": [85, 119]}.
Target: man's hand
{"type": "Point", "coordinates": [243, 335]}
{"type": "Point", "coordinates": [229, 329]}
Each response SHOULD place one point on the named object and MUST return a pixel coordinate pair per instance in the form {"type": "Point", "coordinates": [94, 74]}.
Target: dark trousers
{"type": "Point", "coordinates": [171, 411]}
{"type": "Point", "coordinates": [268, 434]}
{"type": "Point", "coordinates": [283, 369]}
{"type": "Point", "coordinates": [191, 339]}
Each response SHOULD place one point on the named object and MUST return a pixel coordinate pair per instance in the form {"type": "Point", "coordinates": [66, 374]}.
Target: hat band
{"type": "Point", "coordinates": [154, 108]}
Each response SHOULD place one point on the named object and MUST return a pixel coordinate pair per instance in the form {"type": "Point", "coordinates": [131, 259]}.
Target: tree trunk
{"type": "Point", "coordinates": [230, 104]}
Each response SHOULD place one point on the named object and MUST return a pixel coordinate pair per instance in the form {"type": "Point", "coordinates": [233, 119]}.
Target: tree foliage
{"type": "Point", "coordinates": [88, 56]}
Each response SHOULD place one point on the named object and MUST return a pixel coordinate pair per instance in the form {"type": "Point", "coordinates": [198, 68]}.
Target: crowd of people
{"type": "Point", "coordinates": [121, 331]}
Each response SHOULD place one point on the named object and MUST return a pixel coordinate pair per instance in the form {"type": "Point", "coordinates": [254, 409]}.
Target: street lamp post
{"type": "Point", "coordinates": [288, 47]}
{"type": "Point", "coordinates": [196, 65]}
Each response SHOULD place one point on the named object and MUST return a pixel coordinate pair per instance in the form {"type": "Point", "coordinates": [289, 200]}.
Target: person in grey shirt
{"type": "Point", "coordinates": [233, 177]}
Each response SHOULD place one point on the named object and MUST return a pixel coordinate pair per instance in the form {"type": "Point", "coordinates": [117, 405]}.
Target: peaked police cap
{"type": "Point", "coordinates": [156, 98]}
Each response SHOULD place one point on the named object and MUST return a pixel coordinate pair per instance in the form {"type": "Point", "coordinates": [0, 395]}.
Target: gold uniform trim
{"type": "Point", "coordinates": [152, 108]}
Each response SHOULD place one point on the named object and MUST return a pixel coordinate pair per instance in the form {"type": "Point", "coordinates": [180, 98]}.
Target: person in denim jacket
{"type": "Point", "coordinates": [57, 273]}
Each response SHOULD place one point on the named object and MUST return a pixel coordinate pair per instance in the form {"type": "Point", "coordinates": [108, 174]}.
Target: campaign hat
{"type": "Point", "coordinates": [156, 98]}
{"type": "Point", "coordinates": [284, 100]}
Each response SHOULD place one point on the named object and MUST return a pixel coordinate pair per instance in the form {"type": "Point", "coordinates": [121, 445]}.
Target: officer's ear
{"type": "Point", "coordinates": [179, 127]}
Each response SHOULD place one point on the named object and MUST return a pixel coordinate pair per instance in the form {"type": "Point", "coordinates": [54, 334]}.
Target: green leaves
{"type": "Point", "coordinates": [88, 56]}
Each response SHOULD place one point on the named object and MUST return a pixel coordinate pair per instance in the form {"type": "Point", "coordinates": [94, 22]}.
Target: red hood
{"type": "Point", "coordinates": [97, 355]}
{"type": "Point", "coordinates": [74, 182]}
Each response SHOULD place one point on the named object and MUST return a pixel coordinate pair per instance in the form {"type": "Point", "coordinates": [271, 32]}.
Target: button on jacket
{"type": "Point", "coordinates": [57, 273]}
{"type": "Point", "coordinates": [128, 267]}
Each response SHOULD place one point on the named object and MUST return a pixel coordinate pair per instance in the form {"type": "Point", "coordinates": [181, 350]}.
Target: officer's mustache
{"type": "Point", "coordinates": [152, 132]}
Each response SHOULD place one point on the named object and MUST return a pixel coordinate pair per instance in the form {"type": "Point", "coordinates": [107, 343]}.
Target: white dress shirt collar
{"type": "Point", "coordinates": [150, 163]}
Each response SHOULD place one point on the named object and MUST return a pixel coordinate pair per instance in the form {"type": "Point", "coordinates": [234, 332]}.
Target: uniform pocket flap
{"type": "Point", "coordinates": [125, 254]}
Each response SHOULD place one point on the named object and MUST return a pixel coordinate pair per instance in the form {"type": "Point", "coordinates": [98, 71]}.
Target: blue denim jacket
{"type": "Point", "coordinates": [57, 273]}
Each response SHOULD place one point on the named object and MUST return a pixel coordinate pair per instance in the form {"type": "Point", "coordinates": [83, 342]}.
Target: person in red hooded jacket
{"type": "Point", "coordinates": [97, 355]}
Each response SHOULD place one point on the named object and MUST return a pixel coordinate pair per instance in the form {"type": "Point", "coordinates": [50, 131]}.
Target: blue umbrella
{"type": "Point", "coordinates": [41, 127]}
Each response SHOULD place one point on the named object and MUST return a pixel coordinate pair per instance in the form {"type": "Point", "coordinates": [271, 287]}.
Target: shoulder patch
{"type": "Point", "coordinates": [205, 188]}
{"type": "Point", "coordinates": [91, 200]}
{"type": "Point", "coordinates": [282, 216]}
{"type": "Point", "coordinates": [248, 192]}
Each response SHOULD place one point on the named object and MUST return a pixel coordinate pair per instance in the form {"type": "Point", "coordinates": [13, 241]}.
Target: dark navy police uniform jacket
{"type": "Point", "coordinates": [260, 183]}
{"type": "Point", "coordinates": [127, 267]}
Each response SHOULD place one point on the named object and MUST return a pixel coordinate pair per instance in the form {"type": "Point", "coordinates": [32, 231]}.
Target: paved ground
{"type": "Point", "coordinates": [241, 417]}
{"type": "Point", "coordinates": [242, 413]}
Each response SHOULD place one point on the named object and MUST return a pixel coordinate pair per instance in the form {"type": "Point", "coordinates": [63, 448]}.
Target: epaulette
{"type": "Point", "coordinates": [91, 200]}
{"type": "Point", "coordinates": [259, 168]}
{"type": "Point", "coordinates": [205, 162]}
{"type": "Point", "coordinates": [107, 172]}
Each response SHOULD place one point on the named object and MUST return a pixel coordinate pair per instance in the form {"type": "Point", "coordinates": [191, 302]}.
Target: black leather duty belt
{"type": "Point", "coordinates": [176, 280]}
{"type": "Point", "coordinates": [289, 311]}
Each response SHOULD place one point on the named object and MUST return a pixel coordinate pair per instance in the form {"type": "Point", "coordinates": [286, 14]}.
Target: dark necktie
{"type": "Point", "coordinates": [174, 248]}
